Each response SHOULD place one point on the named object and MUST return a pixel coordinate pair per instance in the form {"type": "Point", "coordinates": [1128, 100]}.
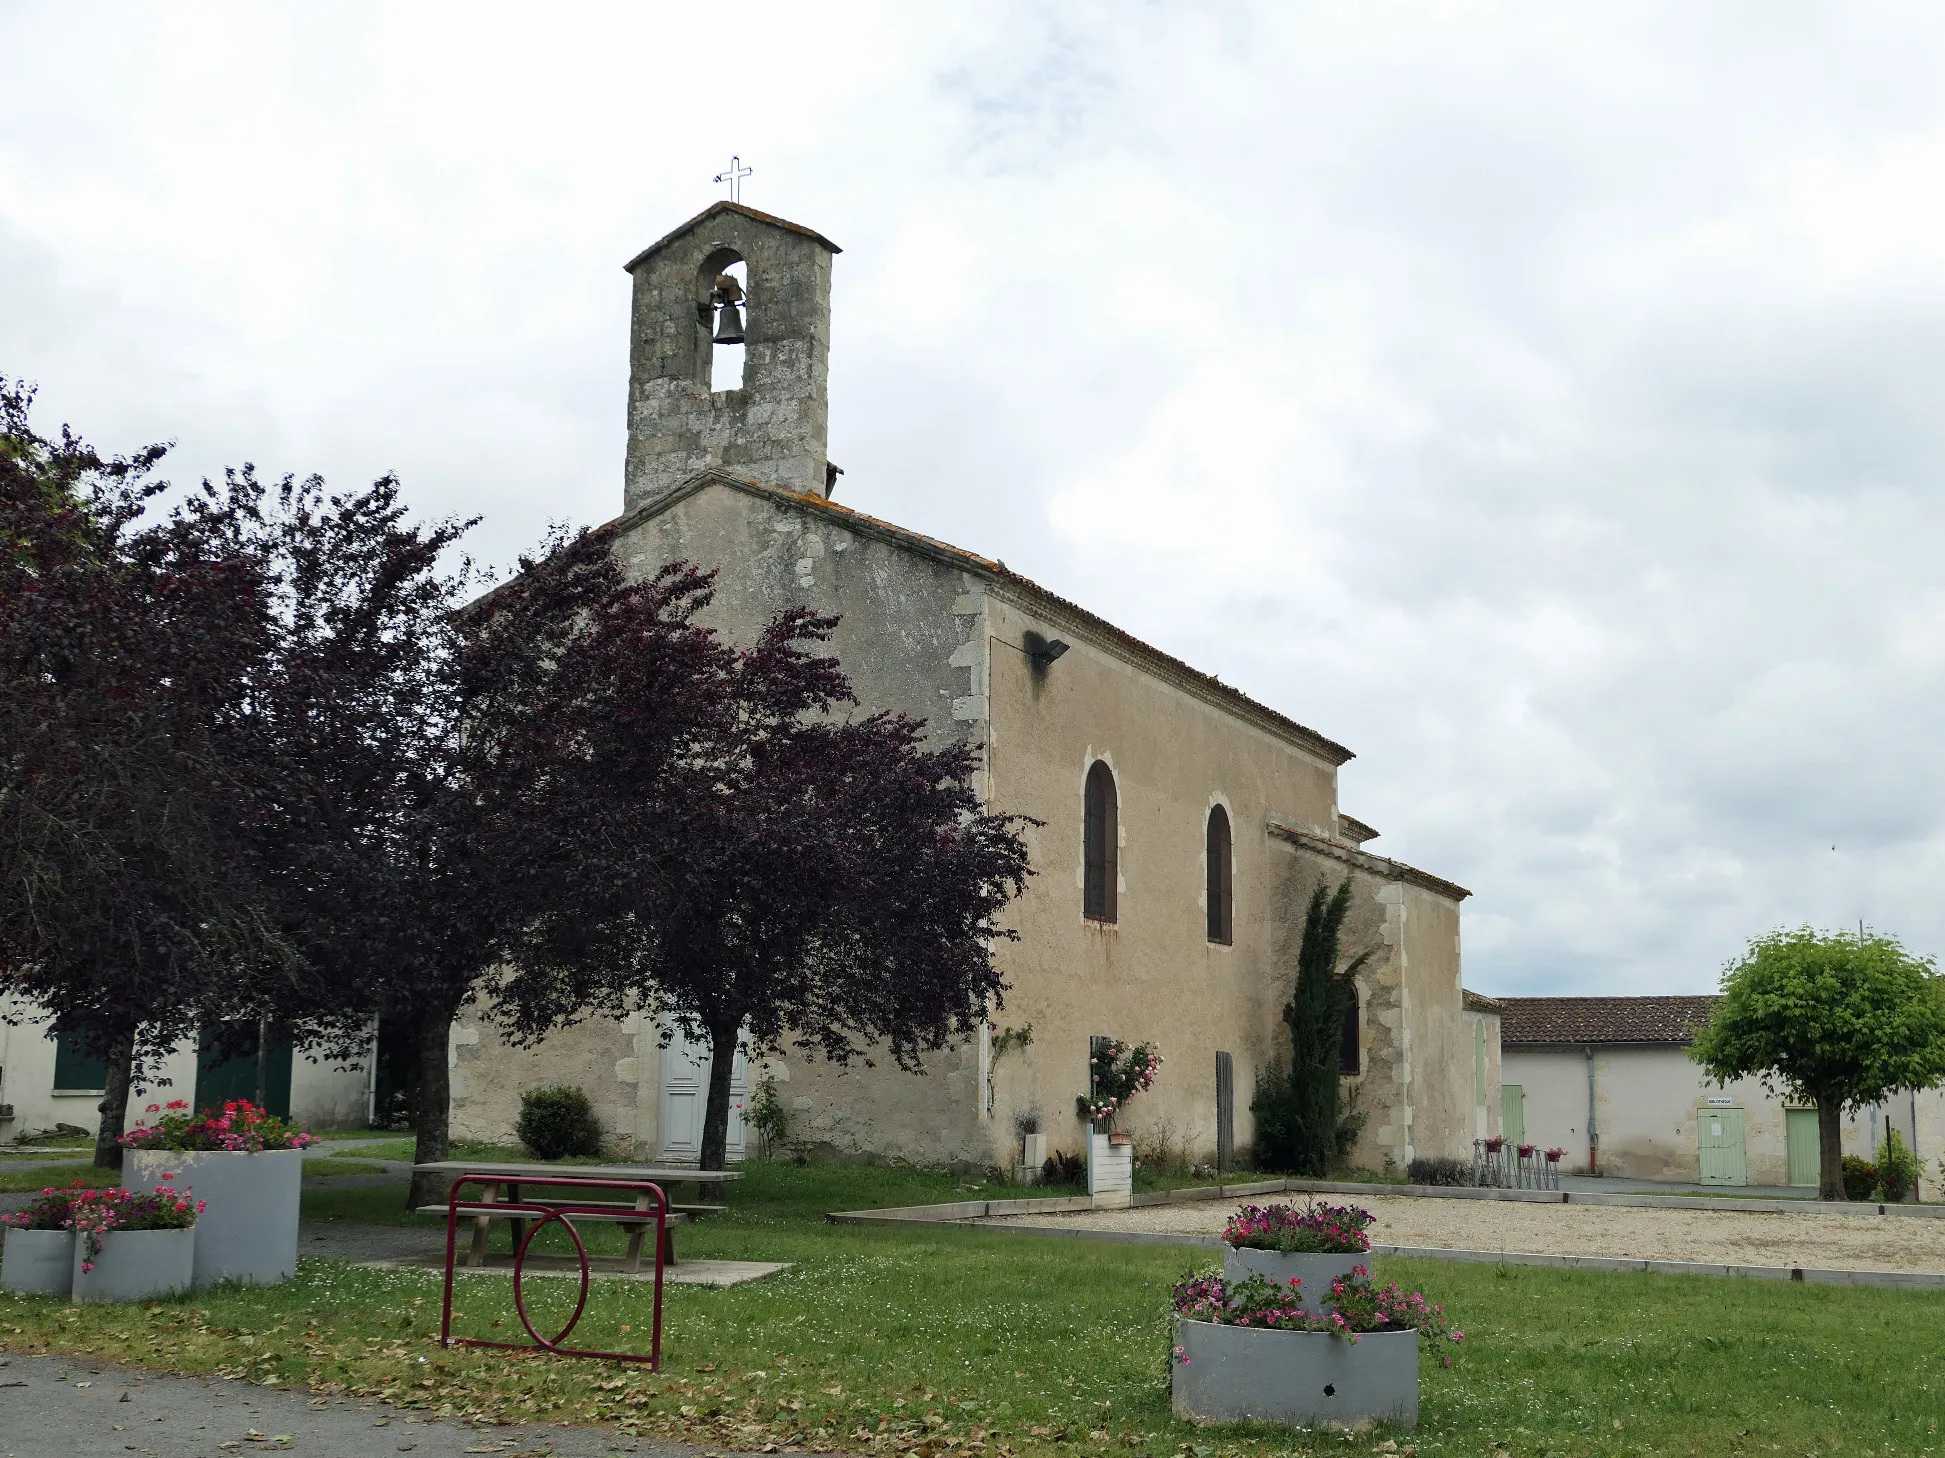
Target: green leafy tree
{"type": "Point", "coordinates": [1834, 1019]}
{"type": "Point", "coordinates": [1298, 1110]}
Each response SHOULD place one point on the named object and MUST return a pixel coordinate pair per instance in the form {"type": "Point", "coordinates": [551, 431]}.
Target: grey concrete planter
{"type": "Point", "coordinates": [1304, 1378]}
{"type": "Point", "coordinates": [1276, 1266]}
{"type": "Point", "coordinates": [38, 1262]}
{"type": "Point", "coordinates": [249, 1224]}
{"type": "Point", "coordinates": [136, 1264]}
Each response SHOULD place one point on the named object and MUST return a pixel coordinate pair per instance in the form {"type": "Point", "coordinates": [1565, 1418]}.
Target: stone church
{"type": "Point", "coordinates": [1184, 823]}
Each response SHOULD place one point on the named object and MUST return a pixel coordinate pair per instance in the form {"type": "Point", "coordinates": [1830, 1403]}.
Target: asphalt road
{"type": "Point", "coordinates": [60, 1407]}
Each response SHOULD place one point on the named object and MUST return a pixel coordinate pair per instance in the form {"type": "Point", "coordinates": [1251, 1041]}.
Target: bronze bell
{"type": "Point", "coordinates": [729, 325]}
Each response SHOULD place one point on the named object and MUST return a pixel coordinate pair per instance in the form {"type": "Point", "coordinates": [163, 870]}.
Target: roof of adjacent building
{"type": "Point", "coordinates": [1479, 1002]}
{"type": "Point", "coordinates": [1647, 1020]}
{"type": "Point", "coordinates": [1163, 665]}
{"type": "Point", "coordinates": [726, 207]}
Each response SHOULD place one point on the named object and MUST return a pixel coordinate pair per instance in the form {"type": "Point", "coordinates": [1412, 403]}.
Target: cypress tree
{"type": "Point", "coordinates": [1298, 1109]}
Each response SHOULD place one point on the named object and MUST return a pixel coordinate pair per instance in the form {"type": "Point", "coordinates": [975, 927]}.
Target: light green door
{"type": "Point", "coordinates": [1723, 1160]}
{"type": "Point", "coordinates": [1806, 1158]}
{"type": "Point", "coordinates": [1512, 1113]}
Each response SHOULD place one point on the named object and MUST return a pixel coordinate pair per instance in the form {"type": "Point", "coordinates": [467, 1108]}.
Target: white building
{"type": "Point", "coordinates": [46, 1082]}
{"type": "Point", "coordinates": [1609, 1080]}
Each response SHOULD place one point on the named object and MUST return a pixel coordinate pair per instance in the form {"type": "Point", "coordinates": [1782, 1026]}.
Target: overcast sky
{"type": "Point", "coordinates": [1550, 406]}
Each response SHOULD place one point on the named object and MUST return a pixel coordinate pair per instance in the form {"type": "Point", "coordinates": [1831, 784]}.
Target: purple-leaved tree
{"type": "Point", "coordinates": [127, 651]}
{"type": "Point", "coordinates": [722, 848]}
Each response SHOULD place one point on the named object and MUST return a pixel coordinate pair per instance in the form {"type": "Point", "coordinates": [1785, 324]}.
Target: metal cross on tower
{"type": "Point", "coordinates": [734, 177]}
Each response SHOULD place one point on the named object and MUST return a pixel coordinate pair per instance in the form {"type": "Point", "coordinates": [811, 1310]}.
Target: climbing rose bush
{"type": "Point", "coordinates": [1119, 1073]}
{"type": "Point", "coordinates": [1316, 1229]}
{"type": "Point", "coordinates": [239, 1127]}
{"type": "Point", "coordinates": [1353, 1307]}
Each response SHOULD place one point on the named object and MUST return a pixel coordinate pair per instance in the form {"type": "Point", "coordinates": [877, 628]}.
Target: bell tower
{"type": "Point", "coordinates": [687, 304]}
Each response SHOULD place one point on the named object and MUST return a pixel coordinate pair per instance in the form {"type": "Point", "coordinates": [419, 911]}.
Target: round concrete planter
{"type": "Point", "coordinates": [249, 1221]}
{"type": "Point", "coordinates": [135, 1265]}
{"type": "Point", "coordinates": [38, 1262]}
{"type": "Point", "coordinates": [1304, 1378]}
{"type": "Point", "coordinates": [1277, 1266]}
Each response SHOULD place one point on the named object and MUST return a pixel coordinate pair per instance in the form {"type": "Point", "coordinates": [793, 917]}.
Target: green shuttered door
{"type": "Point", "coordinates": [1723, 1161]}
{"type": "Point", "coordinates": [1512, 1112]}
{"type": "Point", "coordinates": [1806, 1159]}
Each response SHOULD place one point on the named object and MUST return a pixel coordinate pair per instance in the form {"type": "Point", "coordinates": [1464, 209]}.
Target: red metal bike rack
{"type": "Point", "coordinates": [546, 1212]}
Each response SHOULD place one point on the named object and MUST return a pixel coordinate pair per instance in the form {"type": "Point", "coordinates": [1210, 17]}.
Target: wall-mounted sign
{"type": "Point", "coordinates": [1721, 1101]}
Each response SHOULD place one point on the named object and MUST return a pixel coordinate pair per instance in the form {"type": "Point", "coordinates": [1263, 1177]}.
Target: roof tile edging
{"type": "Point", "coordinates": [725, 206]}
{"type": "Point", "coordinates": [1364, 861]}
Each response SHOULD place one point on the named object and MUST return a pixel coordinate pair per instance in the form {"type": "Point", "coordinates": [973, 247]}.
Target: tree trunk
{"type": "Point", "coordinates": [1830, 1150]}
{"type": "Point", "coordinates": [120, 1063]}
{"type": "Point", "coordinates": [715, 1117]}
{"type": "Point", "coordinates": [432, 1119]}
{"type": "Point", "coordinates": [263, 1063]}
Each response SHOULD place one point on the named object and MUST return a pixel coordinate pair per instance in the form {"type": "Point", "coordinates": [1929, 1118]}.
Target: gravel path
{"type": "Point", "coordinates": [1839, 1242]}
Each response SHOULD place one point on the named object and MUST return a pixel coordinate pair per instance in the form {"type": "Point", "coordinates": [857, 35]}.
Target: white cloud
{"type": "Point", "coordinates": [1540, 402]}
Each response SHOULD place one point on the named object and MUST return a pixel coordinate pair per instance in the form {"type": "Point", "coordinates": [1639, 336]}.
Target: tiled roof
{"type": "Point", "coordinates": [1479, 1002]}
{"type": "Point", "coordinates": [1666, 1020]}
{"type": "Point", "coordinates": [1162, 664]}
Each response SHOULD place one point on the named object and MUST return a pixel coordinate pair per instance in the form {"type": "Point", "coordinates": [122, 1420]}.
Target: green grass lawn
{"type": "Point", "coordinates": [399, 1147]}
{"type": "Point", "coordinates": [65, 1172]}
{"type": "Point", "coordinates": [331, 1136]}
{"type": "Point", "coordinates": [890, 1340]}
{"type": "Point", "coordinates": [42, 1148]}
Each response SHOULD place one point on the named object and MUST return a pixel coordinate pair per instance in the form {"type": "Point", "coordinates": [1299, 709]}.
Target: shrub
{"type": "Point", "coordinates": [1438, 1169]}
{"type": "Point", "coordinates": [1897, 1169]}
{"type": "Point", "coordinates": [1860, 1177]}
{"type": "Point", "coordinates": [766, 1117]}
{"type": "Point", "coordinates": [1064, 1169]}
{"type": "Point", "coordinates": [558, 1122]}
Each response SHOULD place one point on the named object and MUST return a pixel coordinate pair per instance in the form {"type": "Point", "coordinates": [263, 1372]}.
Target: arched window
{"type": "Point", "coordinates": [1220, 889]}
{"type": "Point", "coordinates": [1350, 1053]}
{"type": "Point", "coordinates": [1101, 829]}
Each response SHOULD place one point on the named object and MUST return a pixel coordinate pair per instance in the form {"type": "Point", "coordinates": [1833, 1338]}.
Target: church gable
{"type": "Point", "coordinates": [910, 629]}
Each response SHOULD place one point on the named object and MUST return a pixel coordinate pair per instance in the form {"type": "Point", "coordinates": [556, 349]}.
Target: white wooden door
{"type": "Point", "coordinates": [685, 1098]}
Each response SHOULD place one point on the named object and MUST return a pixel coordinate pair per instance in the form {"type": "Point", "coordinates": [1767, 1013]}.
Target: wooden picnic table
{"type": "Point", "coordinates": [503, 1181]}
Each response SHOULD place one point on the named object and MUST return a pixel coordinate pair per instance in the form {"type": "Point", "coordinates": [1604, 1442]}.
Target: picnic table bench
{"type": "Point", "coordinates": [503, 1182]}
